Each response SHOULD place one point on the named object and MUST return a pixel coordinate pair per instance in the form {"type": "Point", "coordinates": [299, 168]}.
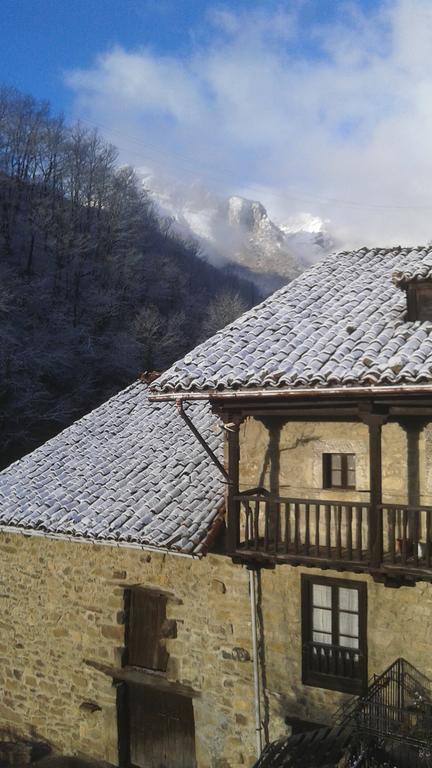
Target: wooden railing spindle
{"type": "Point", "coordinates": [348, 516]}
{"type": "Point", "coordinates": [359, 523]}
{"type": "Point", "coordinates": [266, 525]}
{"type": "Point", "coordinates": [317, 530]}
{"type": "Point", "coordinates": [404, 535]}
{"type": "Point", "coordinates": [428, 538]}
{"type": "Point", "coordinates": [307, 529]}
{"type": "Point", "coordinates": [392, 534]}
{"type": "Point", "coordinates": [287, 527]}
{"type": "Point", "coordinates": [328, 529]}
{"type": "Point", "coordinates": [256, 523]}
{"type": "Point", "coordinates": [296, 528]}
{"type": "Point", "coordinates": [339, 532]}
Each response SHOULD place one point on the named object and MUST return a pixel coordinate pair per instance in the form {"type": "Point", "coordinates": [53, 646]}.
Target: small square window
{"type": "Point", "coordinates": [334, 643]}
{"type": "Point", "coordinates": [419, 301]}
{"type": "Point", "coordinates": [339, 470]}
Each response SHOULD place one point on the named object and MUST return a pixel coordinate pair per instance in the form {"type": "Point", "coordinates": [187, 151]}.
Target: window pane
{"type": "Point", "coordinates": [348, 599]}
{"type": "Point", "coordinates": [351, 478]}
{"type": "Point", "coordinates": [336, 478]}
{"type": "Point", "coordinates": [351, 462]}
{"type": "Point", "coordinates": [321, 596]}
{"type": "Point", "coordinates": [336, 461]}
{"type": "Point", "coordinates": [348, 642]}
{"type": "Point", "coordinates": [424, 302]}
{"type": "Point", "coordinates": [321, 620]}
{"type": "Point", "coordinates": [322, 637]}
{"type": "Point", "coordinates": [348, 624]}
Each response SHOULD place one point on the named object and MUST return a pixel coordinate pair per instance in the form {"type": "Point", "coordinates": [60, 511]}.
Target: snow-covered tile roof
{"type": "Point", "coordinates": [341, 323]}
{"type": "Point", "coordinates": [130, 471]}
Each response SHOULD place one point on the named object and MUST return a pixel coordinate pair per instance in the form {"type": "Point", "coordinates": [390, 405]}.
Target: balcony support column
{"type": "Point", "coordinates": [375, 422]}
{"type": "Point", "coordinates": [413, 429]}
{"type": "Point", "coordinates": [232, 428]}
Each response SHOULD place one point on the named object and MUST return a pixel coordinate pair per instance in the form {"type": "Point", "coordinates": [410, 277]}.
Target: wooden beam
{"type": "Point", "coordinates": [233, 505]}
{"type": "Point", "coordinates": [375, 422]}
{"type": "Point", "coordinates": [145, 677]}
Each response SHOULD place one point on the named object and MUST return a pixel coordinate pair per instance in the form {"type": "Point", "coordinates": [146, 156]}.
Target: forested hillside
{"type": "Point", "coordinates": [94, 288]}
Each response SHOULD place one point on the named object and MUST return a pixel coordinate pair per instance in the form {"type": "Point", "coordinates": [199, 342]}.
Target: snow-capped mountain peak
{"type": "Point", "coordinates": [239, 232]}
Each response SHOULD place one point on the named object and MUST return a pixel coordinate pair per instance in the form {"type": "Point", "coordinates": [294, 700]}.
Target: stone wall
{"type": "Point", "coordinates": [62, 607]}
{"type": "Point", "coordinates": [399, 623]}
{"type": "Point", "coordinates": [287, 458]}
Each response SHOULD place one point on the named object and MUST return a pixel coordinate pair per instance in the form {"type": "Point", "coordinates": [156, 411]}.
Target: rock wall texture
{"type": "Point", "coordinates": [287, 458]}
{"type": "Point", "coordinates": [62, 617]}
{"type": "Point", "coordinates": [62, 613]}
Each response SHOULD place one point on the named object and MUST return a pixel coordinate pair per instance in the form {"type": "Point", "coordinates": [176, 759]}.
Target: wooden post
{"type": "Point", "coordinates": [413, 428]}
{"type": "Point", "coordinates": [123, 740]}
{"type": "Point", "coordinates": [233, 507]}
{"type": "Point", "coordinates": [375, 473]}
{"type": "Point", "coordinates": [375, 524]}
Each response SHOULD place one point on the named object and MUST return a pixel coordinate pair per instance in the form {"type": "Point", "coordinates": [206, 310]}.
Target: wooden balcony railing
{"type": "Point", "coordinates": [340, 533]}
{"type": "Point", "coordinates": [407, 535]}
{"type": "Point", "coordinates": [333, 661]}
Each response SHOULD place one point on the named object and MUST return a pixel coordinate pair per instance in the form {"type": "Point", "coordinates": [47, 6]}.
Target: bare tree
{"type": "Point", "coordinates": [224, 309]}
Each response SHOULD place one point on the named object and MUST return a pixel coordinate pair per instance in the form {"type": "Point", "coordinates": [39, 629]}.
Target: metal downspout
{"type": "Point", "coordinates": [257, 694]}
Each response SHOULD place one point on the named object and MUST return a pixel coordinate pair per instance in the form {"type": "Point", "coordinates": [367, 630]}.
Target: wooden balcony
{"type": "Point", "coordinates": [344, 664]}
{"type": "Point", "coordinates": [344, 535]}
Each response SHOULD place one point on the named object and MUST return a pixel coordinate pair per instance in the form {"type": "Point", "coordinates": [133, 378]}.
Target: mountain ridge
{"type": "Point", "coordinates": [239, 233]}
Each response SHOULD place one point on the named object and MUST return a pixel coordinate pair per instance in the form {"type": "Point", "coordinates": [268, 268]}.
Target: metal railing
{"type": "Point", "coordinates": [397, 705]}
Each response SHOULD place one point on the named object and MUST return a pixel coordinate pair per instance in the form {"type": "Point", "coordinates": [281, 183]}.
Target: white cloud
{"type": "Point", "coordinates": [336, 119]}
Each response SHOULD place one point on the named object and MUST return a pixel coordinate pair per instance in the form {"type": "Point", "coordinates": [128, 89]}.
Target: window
{"type": "Point", "coordinates": [334, 645]}
{"type": "Point", "coordinates": [419, 301]}
{"type": "Point", "coordinates": [339, 470]}
{"type": "Point", "coordinates": [146, 628]}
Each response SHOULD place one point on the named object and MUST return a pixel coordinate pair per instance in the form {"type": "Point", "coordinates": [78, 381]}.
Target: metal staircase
{"type": "Point", "coordinates": [390, 726]}
{"type": "Point", "coordinates": [396, 706]}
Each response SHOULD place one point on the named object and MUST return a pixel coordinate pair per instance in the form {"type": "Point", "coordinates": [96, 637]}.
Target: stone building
{"type": "Point", "coordinates": [146, 622]}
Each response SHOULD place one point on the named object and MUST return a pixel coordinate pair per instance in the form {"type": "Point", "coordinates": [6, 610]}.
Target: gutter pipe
{"type": "Point", "coordinates": [243, 394]}
{"type": "Point", "coordinates": [257, 695]}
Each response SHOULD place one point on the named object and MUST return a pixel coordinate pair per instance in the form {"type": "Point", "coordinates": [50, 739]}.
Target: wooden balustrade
{"type": "Point", "coordinates": [315, 529]}
{"type": "Point", "coordinates": [322, 531]}
{"type": "Point", "coordinates": [332, 660]}
{"type": "Point", "coordinates": [407, 535]}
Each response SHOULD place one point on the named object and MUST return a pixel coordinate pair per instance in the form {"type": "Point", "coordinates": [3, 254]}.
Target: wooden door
{"type": "Point", "coordinates": [161, 729]}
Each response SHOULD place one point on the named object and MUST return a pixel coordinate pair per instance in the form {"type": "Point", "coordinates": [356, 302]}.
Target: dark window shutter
{"type": "Point", "coordinates": [147, 614]}
{"type": "Point", "coordinates": [327, 470]}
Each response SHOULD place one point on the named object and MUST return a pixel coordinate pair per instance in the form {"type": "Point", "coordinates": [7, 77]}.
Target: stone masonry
{"type": "Point", "coordinates": [62, 607]}
{"type": "Point", "coordinates": [62, 619]}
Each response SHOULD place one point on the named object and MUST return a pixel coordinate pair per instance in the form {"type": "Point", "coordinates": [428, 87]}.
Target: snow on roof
{"type": "Point", "coordinates": [130, 471]}
{"type": "Point", "coordinates": [341, 323]}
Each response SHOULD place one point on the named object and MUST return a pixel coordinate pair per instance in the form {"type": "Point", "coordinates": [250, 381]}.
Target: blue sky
{"type": "Point", "coordinates": [311, 106]}
{"type": "Point", "coordinates": [43, 39]}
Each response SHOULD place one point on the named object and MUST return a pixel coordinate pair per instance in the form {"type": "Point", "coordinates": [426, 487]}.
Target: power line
{"type": "Point", "coordinates": [290, 194]}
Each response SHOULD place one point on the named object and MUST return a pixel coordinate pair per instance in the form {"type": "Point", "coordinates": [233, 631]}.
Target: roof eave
{"type": "Point", "coordinates": [43, 534]}
{"type": "Point", "coordinates": [242, 394]}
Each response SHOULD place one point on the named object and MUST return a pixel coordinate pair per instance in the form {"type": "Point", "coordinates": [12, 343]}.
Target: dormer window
{"type": "Point", "coordinates": [419, 300]}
